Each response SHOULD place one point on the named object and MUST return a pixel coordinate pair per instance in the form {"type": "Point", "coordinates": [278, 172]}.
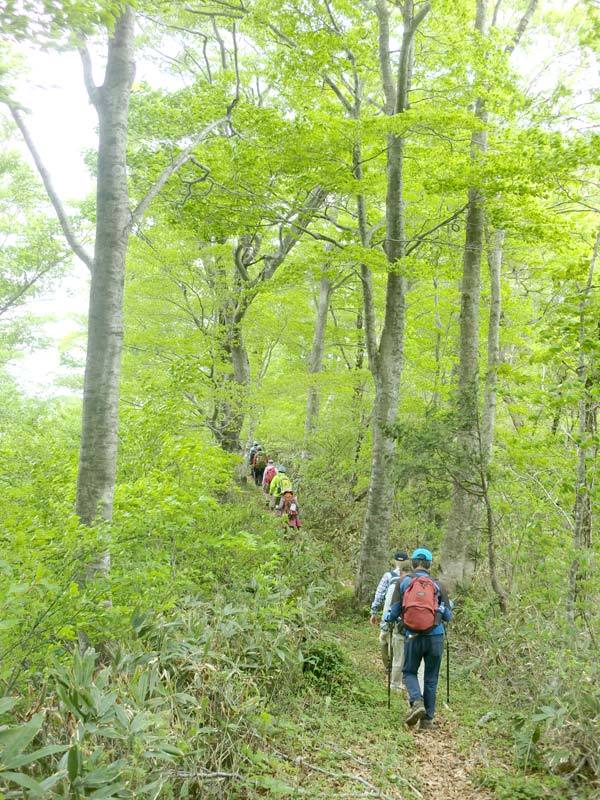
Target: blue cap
{"type": "Point", "coordinates": [422, 552]}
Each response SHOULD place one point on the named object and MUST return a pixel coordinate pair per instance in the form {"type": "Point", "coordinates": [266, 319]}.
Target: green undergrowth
{"type": "Point", "coordinates": [232, 699]}
{"type": "Point", "coordinates": [339, 738]}
{"type": "Point", "coordinates": [490, 721]}
{"type": "Point", "coordinates": [229, 662]}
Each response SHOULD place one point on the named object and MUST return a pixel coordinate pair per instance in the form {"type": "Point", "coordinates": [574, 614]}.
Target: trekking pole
{"type": "Point", "coordinates": [389, 670]}
{"type": "Point", "coordinates": [447, 667]}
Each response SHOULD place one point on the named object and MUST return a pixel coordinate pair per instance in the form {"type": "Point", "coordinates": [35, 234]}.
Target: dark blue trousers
{"type": "Point", "coordinates": [430, 650]}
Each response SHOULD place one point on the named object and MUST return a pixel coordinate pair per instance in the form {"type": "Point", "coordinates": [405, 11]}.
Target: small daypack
{"type": "Point", "coordinates": [260, 460]}
{"type": "Point", "coordinates": [270, 473]}
{"type": "Point", "coordinates": [420, 604]}
{"type": "Point", "coordinates": [284, 483]}
{"type": "Point", "coordinates": [293, 512]}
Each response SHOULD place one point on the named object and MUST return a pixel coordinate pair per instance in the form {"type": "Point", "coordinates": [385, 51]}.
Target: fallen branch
{"type": "Point", "coordinates": [376, 792]}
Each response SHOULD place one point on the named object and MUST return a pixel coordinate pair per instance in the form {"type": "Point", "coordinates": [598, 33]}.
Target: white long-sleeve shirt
{"type": "Point", "coordinates": [382, 588]}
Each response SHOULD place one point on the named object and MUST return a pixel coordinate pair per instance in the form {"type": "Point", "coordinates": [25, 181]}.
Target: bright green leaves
{"type": "Point", "coordinates": [32, 252]}
{"type": "Point", "coordinates": [15, 741]}
{"type": "Point", "coordinates": [56, 22]}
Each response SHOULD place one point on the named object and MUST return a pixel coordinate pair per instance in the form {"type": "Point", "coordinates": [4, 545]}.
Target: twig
{"type": "Point", "coordinates": [167, 172]}
{"type": "Point", "coordinates": [13, 299]}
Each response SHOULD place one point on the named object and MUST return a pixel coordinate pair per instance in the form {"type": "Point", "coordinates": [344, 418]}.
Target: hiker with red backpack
{"type": "Point", "coordinates": [259, 464]}
{"type": "Point", "coordinates": [269, 474]}
{"type": "Point", "coordinates": [423, 605]}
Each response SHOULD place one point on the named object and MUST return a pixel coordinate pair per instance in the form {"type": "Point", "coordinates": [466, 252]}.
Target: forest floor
{"type": "Point", "coordinates": [349, 745]}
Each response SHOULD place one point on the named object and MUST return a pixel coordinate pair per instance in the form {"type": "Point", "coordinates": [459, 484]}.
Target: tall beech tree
{"type": "Point", "coordinates": [586, 439]}
{"type": "Point", "coordinates": [461, 535]}
{"type": "Point", "coordinates": [114, 221]}
{"type": "Point", "coordinates": [315, 358]}
{"type": "Point", "coordinates": [386, 357]}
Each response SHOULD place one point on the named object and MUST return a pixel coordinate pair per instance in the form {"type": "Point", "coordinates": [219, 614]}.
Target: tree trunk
{"type": "Point", "coordinates": [378, 514]}
{"type": "Point", "coordinates": [315, 362]}
{"type": "Point", "coordinates": [98, 454]}
{"type": "Point", "coordinates": [229, 410]}
{"type": "Point", "coordinates": [364, 418]}
{"type": "Point", "coordinates": [437, 322]}
{"type": "Point", "coordinates": [228, 415]}
{"type": "Point", "coordinates": [586, 449]}
{"type": "Point", "coordinates": [461, 537]}
{"type": "Point", "coordinates": [494, 250]}
{"type": "Point", "coordinates": [386, 362]}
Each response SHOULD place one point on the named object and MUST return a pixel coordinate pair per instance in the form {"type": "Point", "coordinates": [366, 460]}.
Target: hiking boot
{"type": "Point", "coordinates": [416, 713]}
{"type": "Point", "coordinates": [426, 724]}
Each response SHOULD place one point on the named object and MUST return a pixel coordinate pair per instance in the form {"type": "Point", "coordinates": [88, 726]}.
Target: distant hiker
{"type": "Point", "coordinates": [423, 604]}
{"type": "Point", "coordinates": [280, 482]}
{"type": "Point", "coordinates": [252, 453]}
{"type": "Point", "coordinates": [289, 508]}
{"type": "Point", "coordinates": [268, 475]}
{"type": "Point", "coordinates": [259, 462]}
{"type": "Point", "coordinates": [383, 595]}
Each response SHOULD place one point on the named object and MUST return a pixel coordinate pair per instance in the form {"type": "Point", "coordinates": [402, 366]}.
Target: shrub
{"type": "Point", "coordinates": [327, 666]}
{"type": "Point", "coordinates": [188, 698]}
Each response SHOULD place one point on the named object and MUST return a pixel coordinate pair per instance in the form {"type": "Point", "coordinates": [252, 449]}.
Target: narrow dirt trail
{"type": "Point", "coordinates": [359, 749]}
{"type": "Point", "coordinates": [445, 772]}
{"type": "Point", "coordinates": [439, 769]}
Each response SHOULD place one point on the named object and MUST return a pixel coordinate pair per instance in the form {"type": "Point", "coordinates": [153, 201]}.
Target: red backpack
{"type": "Point", "coordinates": [270, 473]}
{"type": "Point", "coordinates": [420, 604]}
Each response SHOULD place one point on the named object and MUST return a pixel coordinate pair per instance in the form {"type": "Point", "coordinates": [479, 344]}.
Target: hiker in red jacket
{"type": "Point", "coordinates": [268, 475]}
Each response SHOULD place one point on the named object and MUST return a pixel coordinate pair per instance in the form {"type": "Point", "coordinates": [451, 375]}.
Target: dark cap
{"type": "Point", "coordinates": [400, 555]}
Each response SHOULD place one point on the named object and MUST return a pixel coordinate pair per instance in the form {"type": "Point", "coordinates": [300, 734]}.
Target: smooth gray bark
{"type": "Point", "coordinates": [461, 535]}
{"type": "Point", "coordinates": [494, 253]}
{"type": "Point", "coordinates": [315, 360]}
{"type": "Point", "coordinates": [98, 453]}
{"type": "Point", "coordinates": [437, 322]}
{"type": "Point", "coordinates": [363, 418]}
{"type": "Point", "coordinates": [386, 360]}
